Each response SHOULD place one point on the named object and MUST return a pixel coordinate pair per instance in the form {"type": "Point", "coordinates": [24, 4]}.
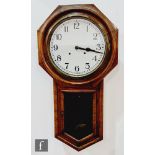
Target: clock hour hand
{"type": "Point", "coordinates": [79, 48]}
{"type": "Point", "coordinates": [87, 49]}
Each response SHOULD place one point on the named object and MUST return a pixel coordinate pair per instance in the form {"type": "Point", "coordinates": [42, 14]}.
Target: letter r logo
{"type": "Point", "coordinates": [41, 145]}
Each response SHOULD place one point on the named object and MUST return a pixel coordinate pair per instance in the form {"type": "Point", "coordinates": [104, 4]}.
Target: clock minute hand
{"type": "Point", "coordinates": [87, 49]}
{"type": "Point", "coordinates": [91, 50]}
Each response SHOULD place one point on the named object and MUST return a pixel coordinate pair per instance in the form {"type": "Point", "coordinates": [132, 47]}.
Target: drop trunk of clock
{"type": "Point", "coordinates": [78, 101]}
{"type": "Point", "coordinates": [78, 114]}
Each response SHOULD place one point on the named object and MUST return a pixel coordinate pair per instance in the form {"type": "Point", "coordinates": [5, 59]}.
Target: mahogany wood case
{"type": "Point", "coordinates": [91, 84]}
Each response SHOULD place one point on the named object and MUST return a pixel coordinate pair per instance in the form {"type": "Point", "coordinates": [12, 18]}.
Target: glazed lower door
{"type": "Point", "coordinates": [78, 114]}
{"type": "Point", "coordinates": [77, 118]}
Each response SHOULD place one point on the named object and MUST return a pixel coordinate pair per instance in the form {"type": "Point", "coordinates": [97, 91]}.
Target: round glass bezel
{"type": "Point", "coordinates": [91, 19]}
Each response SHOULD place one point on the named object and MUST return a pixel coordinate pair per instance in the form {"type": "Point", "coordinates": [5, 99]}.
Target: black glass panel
{"type": "Point", "coordinates": [78, 114]}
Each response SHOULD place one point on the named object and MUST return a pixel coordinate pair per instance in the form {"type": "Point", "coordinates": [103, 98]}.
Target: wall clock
{"type": "Point", "coordinates": [78, 47]}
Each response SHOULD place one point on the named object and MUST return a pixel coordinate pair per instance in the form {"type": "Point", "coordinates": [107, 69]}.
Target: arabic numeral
{"type": "Point", "coordinates": [55, 47]}
{"type": "Point", "coordinates": [59, 58]}
{"type": "Point", "coordinates": [58, 36]}
{"type": "Point", "coordinates": [76, 25]}
{"type": "Point", "coordinates": [94, 36]}
{"type": "Point", "coordinates": [95, 58]}
{"type": "Point", "coordinates": [99, 46]}
{"type": "Point", "coordinates": [87, 28]}
{"type": "Point", "coordinates": [87, 65]}
{"type": "Point", "coordinates": [66, 28]}
{"type": "Point", "coordinates": [66, 65]}
{"type": "Point", "coordinates": [77, 68]}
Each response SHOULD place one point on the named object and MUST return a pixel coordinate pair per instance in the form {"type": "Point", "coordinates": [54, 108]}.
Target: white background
{"type": "Point", "coordinates": [15, 79]}
{"type": "Point", "coordinates": [42, 88]}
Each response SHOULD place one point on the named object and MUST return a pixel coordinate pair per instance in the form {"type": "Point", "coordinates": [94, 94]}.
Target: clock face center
{"type": "Point", "coordinates": [77, 47]}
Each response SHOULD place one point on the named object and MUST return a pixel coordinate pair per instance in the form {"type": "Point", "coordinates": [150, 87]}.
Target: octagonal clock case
{"type": "Point", "coordinates": [78, 47]}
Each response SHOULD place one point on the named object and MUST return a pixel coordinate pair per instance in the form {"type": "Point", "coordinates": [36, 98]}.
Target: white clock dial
{"type": "Point", "coordinates": [77, 47]}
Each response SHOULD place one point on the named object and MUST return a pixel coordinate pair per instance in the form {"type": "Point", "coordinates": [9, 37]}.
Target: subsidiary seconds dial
{"type": "Point", "coordinates": [77, 47]}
